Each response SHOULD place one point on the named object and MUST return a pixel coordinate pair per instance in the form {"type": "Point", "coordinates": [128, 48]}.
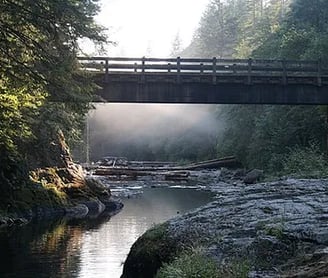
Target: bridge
{"type": "Point", "coordinates": [221, 81]}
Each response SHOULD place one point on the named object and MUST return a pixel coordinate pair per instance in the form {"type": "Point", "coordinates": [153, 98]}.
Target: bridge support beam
{"type": "Point", "coordinates": [220, 93]}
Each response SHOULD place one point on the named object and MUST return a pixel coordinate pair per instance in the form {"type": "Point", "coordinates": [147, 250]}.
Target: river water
{"type": "Point", "coordinates": [91, 247]}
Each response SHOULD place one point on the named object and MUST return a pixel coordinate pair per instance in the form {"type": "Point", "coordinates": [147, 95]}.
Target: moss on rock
{"type": "Point", "coordinates": [149, 253]}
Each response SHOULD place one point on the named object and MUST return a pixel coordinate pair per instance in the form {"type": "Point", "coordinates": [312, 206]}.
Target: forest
{"type": "Point", "coordinates": [42, 92]}
{"type": "Point", "coordinates": [279, 139]}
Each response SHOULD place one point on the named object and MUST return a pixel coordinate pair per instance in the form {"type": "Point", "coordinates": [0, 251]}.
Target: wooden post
{"type": "Point", "coordinates": [319, 79]}
{"type": "Point", "coordinates": [178, 69]}
{"type": "Point", "coordinates": [201, 68]}
{"type": "Point", "coordinates": [135, 67]}
{"type": "Point", "coordinates": [234, 68]}
{"type": "Point", "coordinates": [214, 71]}
{"type": "Point", "coordinates": [106, 69]}
{"type": "Point", "coordinates": [169, 67]}
{"type": "Point", "coordinates": [284, 72]}
{"type": "Point", "coordinates": [143, 69]}
{"type": "Point", "coordinates": [143, 64]}
{"type": "Point", "coordinates": [249, 71]}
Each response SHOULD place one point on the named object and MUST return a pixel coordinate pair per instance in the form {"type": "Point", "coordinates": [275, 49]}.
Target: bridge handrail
{"type": "Point", "coordinates": [212, 66]}
{"type": "Point", "coordinates": [207, 60]}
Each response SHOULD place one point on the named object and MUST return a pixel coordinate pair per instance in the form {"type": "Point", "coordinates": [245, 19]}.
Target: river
{"type": "Point", "coordinates": [91, 247]}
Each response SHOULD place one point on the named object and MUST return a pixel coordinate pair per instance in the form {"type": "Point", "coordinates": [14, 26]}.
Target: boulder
{"type": "Point", "coordinates": [253, 176]}
{"type": "Point", "coordinates": [78, 211]}
{"type": "Point", "coordinates": [267, 230]}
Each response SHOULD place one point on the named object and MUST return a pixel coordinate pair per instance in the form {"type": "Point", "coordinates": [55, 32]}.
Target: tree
{"type": "Point", "coordinates": [176, 46]}
{"type": "Point", "coordinates": [262, 136]}
{"type": "Point", "coordinates": [40, 86]}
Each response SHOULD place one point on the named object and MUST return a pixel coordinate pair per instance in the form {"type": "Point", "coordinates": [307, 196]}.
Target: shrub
{"type": "Point", "coordinates": [307, 162]}
{"type": "Point", "coordinates": [195, 264]}
{"type": "Point", "coordinates": [190, 264]}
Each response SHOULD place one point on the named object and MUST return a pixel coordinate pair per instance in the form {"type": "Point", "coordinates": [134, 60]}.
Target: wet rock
{"type": "Point", "coordinates": [112, 204]}
{"type": "Point", "coordinates": [239, 173]}
{"type": "Point", "coordinates": [253, 176]}
{"type": "Point", "coordinates": [47, 212]}
{"type": "Point", "coordinates": [98, 187]}
{"type": "Point", "coordinates": [95, 207]}
{"type": "Point", "coordinates": [279, 228]}
{"type": "Point", "coordinates": [78, 211]}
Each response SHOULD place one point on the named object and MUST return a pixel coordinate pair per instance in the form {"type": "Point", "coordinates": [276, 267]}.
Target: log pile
{"type": "Point", "coordinates": [169, 172]}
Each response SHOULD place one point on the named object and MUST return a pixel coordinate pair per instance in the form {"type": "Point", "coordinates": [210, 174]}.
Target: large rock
{"type": "Point", "coordinates": [280, 229]}
{"type": "Point", "coordinates": [78, 211]}
{"type": "Point", "coordinates": [95, 207]}
{"type": "Point", "coordinates": [253, 176]}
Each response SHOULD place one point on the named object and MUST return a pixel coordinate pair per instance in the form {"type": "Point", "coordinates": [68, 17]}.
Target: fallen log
{"type": "Point", "coordinates": [228, 162]}
{"type": "Point", "coordinates": [129, 174]}
{"type": "Point", "coordinates": [109, 171]}
{"type": "Point", "coordinates": [176, 175]}
{"type": "Point", "coordinates": [151, 164]}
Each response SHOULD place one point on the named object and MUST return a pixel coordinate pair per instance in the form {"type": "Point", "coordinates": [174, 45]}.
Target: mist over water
{"type": "Point", "coordinates": [153, 131]}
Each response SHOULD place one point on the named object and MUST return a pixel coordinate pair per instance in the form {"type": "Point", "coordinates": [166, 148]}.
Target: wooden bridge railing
{"type": "Point", "coordinates": [248, 68]}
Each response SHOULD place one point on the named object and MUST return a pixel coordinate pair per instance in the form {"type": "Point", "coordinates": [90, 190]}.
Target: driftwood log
{"type": "Point", "coordinates": [228, 162]}
{"type": "Point", "coordinates": [169, 172]}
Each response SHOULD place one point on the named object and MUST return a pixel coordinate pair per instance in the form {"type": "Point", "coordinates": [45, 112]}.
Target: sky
{"type": "Point", "coordinates": [148, 27]}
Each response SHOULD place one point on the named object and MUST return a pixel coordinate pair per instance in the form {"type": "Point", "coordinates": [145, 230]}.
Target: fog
{"type": "Point", "coordinates": [153, 131]}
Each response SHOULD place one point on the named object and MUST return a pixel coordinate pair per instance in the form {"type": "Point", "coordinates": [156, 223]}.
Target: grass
{"type": "Point", "coordinates": [190, 264]}
{"type": "Point", "coordinates": [193, 263]}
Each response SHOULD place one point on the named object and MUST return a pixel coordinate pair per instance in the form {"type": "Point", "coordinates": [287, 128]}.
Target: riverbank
{"type": "Point", "coordinates": [50, 196]}
{"type": "Point", "coordinates": [272, 229]}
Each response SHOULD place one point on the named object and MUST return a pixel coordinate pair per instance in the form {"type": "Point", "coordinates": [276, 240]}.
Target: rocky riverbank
{"type": "Point", "coordinates": [60, 189]}
{"type": "Point", "coordinates": [273, 229]}
{"type": "Point", "coordinates": [36, 202]}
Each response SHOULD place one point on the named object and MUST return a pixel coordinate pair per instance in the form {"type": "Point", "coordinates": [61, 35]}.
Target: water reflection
{"type": "Point", "coordinates": [41, 250]}
{"type": "Point", "coordinates": [93, 247]}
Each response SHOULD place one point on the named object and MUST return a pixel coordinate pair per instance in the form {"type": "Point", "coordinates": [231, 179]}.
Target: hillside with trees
{"type": "Point", "coordinates": [281, 139]}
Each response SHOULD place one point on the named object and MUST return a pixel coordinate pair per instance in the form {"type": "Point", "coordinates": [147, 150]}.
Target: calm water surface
{"type": "Point", "coordinates": [90, 248]}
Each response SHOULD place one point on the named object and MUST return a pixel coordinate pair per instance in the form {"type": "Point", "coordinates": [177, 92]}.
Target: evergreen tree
{"type": "Point", "coordinates": [41, 90]}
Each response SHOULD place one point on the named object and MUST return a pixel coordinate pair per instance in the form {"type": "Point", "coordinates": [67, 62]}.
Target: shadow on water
{"type": "Point", "coordinates": [90, 247]}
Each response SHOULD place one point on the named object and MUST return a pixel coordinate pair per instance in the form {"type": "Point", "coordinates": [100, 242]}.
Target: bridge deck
{"type": "Point", "coordinates": [209, 80]}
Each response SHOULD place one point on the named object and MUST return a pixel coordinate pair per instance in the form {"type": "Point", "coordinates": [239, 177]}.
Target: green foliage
{"type": "Point", "coordinates": [235, 28]}
{"type": "Point", "coordinates": [279, 128]}
{"type": "Point", "coordinates": [261, 136]}
{"type": "Point", "coordinates": [269, 137]}
{"type": "Point", "coordinates": [25, 198]}
{"type": "Point", "coordinates": [276, 231]}
{"type": "Point", "coordinates": [195, 263]}
{"type": "Point", "coordinates": [218, 30]}
{"type": "Point", "coordinates": [307, 162]}
{"type": "Point", "coordinates": [18, 107]}
{"type": "Point", "coordinates": [41, 89]}
{"type": "Point", "coordinates": [190, 264]}
{"type": "Point", "coordinates": [239, 129]}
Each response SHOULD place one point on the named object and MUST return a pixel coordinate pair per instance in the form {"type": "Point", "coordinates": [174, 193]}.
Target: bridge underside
{"type": "Point", "coordinates": [221, 93]}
